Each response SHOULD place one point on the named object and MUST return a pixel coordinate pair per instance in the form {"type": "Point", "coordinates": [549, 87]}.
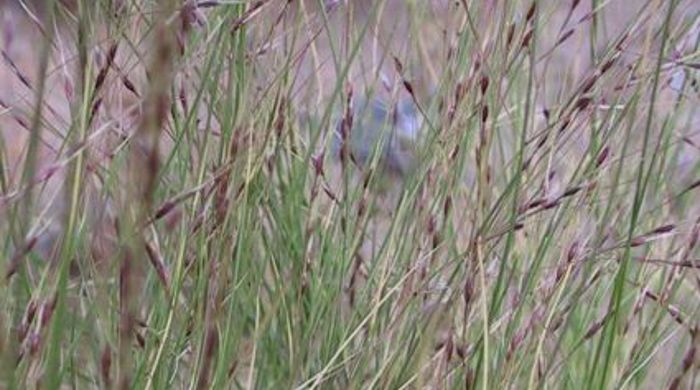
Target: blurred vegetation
{"type": "Point", "coordinates": [191, 194]}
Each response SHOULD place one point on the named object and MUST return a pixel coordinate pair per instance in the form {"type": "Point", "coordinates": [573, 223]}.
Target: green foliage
{"type": "Point", "coordinates": [200, 222]}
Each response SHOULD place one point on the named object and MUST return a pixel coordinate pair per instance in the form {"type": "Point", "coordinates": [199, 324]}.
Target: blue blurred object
{"type": "Point", "coordinates": [390, 130]}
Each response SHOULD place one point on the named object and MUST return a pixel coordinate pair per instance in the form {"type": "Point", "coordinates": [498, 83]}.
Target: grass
{"type": "Point", "coordinates": [173, 213]}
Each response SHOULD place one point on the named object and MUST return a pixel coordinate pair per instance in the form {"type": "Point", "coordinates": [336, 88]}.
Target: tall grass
{"type": "Point", "coordinates": [176, 214]}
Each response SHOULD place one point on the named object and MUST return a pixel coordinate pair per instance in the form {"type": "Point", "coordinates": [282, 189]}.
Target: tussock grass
{"type": "Point", "coordinates": [175, 212]}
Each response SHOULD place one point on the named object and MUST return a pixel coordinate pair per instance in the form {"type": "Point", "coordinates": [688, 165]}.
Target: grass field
{"type": "Point", "coordinates": [177, 210]}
